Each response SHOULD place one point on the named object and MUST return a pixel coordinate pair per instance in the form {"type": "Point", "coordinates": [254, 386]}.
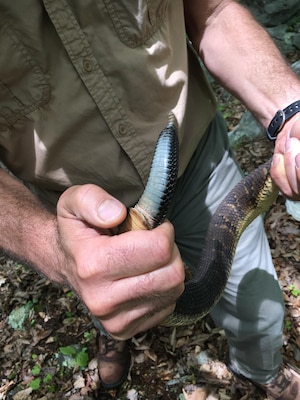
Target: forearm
{"type": "Point", "coordinates": [28, 229]}
{"type": "Point", "coordinates": [242, 57]}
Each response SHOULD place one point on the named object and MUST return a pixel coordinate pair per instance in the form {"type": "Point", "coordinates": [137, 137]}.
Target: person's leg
{"type": "Point", "coordinates": [251, 309]}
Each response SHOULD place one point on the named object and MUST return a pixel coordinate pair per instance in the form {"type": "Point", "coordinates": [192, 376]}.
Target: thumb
{"type": "Point", "coordinates": [295, 128]}
{"type": "Point", "coordinates": [91, 204]}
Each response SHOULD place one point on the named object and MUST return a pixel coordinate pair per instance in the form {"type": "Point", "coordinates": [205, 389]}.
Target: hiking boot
{"type": "Point", "coordinates": [285, 387]}
{"type": "Point", "coordinates": [113, 361]}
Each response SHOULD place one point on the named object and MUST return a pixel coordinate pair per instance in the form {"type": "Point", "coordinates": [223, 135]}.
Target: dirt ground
{"type": "Point", "coordinates": [47, 341]}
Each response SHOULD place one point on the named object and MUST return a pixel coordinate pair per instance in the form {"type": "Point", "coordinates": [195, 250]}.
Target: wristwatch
{"type": "Point", "coordinates": [280, 119]}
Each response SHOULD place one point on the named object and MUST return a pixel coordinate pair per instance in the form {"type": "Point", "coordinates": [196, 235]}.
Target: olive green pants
{"type": "Point", "coordinates": [251, 309]}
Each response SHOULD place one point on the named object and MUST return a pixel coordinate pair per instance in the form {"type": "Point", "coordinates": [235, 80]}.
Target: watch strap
{"type": "Point", "coordinates": [280, 118]}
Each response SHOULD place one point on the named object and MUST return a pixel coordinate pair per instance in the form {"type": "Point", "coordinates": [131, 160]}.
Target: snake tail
{"type": "Point", "coordinates": [152, 207]}
{"type": "Point", "coordinates": [248, 199]}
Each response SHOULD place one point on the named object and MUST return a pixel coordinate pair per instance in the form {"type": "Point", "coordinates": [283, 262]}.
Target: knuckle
{"type": "Point", "coordinates": [82, 193]}
{"type": "Point", "coordinates": [162, 248]}
{"type": "Point", "coordinates": [179, 273]}
{"type": "Point", "coordinates": [145, 286]}
{"type": "Point", "coordinates": [84, 271]}
{"type": "Point", "coordinates": [86, 267]}
{"type": "Point", "coordinates": [116, 329]}
{"type": "Point", "coordinates": [103, 308]}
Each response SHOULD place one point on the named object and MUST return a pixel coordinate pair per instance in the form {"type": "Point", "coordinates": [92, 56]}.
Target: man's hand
{"type": "Point", "coordinates": [130, 282]}
{"type": "Point", "coordinates": [285, 169]}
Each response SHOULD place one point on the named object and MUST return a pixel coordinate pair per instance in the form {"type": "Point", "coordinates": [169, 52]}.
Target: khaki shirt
{"type": "Point", "coordinates": [87, 86]}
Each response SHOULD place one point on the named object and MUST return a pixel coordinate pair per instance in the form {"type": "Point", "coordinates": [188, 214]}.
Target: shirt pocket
{"type": "Point", "coordinates": [23, 86]}
{"type": "Point", "coordinates": [135, 21]}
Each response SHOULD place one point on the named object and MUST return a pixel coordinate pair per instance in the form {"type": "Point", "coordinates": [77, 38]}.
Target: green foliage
{"type": "Point", "coordinates": [69, 314]}
{"type": "Point", "coordinates": [68, 350]}
{"type": "Point", "coordinates": [89, 335]}
{"type": "Point", "coordinates": [288, 325]}
{"type": "Point", "coordinates": [47, 378]}
{"type": "Point", "coordinates": [51, 388]}
{"type": "Point", "coordinates": [36, 370]}
{"type": "Point", "coordinates": [73, 356]}
{"type": "Point", "coordinates": [295, 292]}
{"type": "Point", "coordinates": [82, 358]}
{"type": "Point", "coordinates": [35, 384]}
{"type": "Point", "coordinates": [17, 317]}
{"type": "Point", "coordinates": [41, 382]}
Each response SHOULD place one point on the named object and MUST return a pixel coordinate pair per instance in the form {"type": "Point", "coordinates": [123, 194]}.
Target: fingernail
{"type": "Point", "coordinates": [109, 210]}
{"type": "Point", "coordinates": [275, 160]}
{"type": "Point", "coordinates": [297, 161]}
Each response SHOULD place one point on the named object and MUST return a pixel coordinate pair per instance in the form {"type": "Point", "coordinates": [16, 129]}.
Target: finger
{"type": "Point", "coordinates": [91, 204]}
{"type": "Point", "coordinates": [297, 161]}
{"type": "Point", "coordinates": [128, 324]}
{"type": "Point", "coordinates": [290, 129]}
{"type": "Point", "coordinates": [291, 155]}
{"type": "Point", "coordinates": [133, 286]}
{"type": "Point", "coordinates": [295, 128]}
{"type": "Point", "coordinates": [280, 143]}
{"type": "Point", "coordinates": [279, 175]}
{"type": "Point", "coordinates": [126, 255]}
{"type": "Point", "coordinates": [142, 315]}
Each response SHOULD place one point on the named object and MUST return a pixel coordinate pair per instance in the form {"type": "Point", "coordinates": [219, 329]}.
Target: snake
{"type": "Point", "coordinates": [252, 196]}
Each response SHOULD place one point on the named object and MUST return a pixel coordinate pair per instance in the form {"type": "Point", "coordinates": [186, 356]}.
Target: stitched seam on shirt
{"type": "Point", "coordinates": [23, 109]}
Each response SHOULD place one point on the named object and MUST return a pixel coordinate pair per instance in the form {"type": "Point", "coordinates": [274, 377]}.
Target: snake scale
{"type": "Point", "coordinates": [252, 196]}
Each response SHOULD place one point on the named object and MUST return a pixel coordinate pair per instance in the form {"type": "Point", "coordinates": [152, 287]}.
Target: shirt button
{"type": "Point", "coordinates": [122, 129]}
{"type": "Point", "coordinates": [87, 65]}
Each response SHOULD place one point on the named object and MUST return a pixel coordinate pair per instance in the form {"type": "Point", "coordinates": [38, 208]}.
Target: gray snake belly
{"type": "Point", "coordinates": [249, 198]}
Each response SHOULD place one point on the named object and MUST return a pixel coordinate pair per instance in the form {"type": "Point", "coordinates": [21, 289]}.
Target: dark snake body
{"type": "Point", "coordinates": [252, 196]}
